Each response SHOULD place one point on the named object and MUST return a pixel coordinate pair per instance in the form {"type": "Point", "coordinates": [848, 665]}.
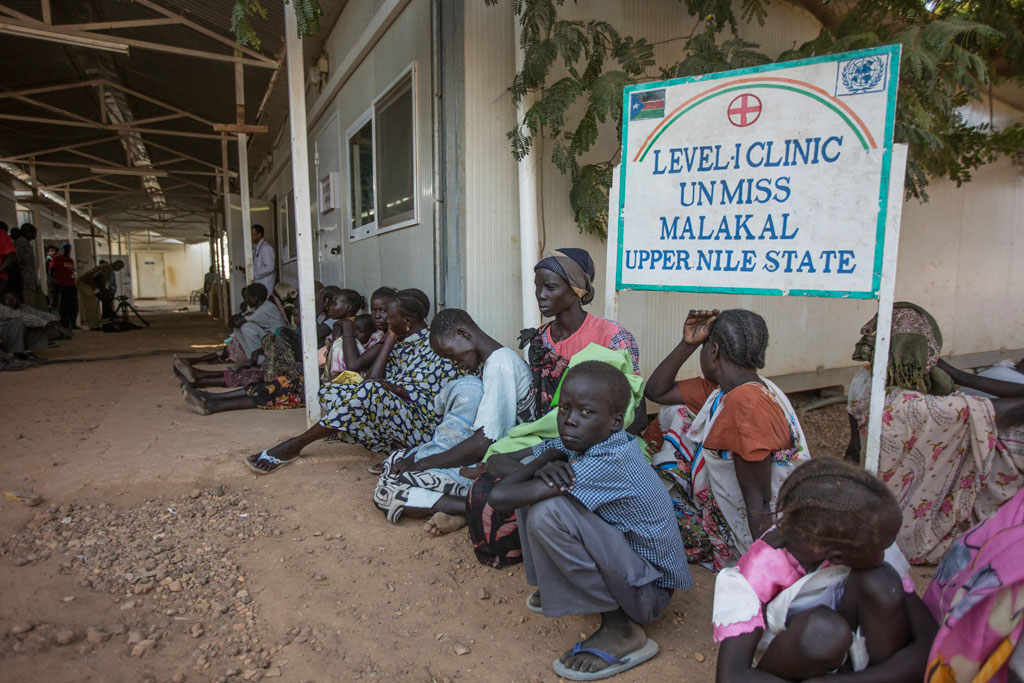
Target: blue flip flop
{"type": "Point", "coordinates": [615, 665]}
{"type": "Point", "coordinates": [267, 458]}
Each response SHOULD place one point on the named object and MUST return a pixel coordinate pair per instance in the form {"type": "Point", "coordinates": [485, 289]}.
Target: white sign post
{"type": "Point", "coordinates": [779, 179]}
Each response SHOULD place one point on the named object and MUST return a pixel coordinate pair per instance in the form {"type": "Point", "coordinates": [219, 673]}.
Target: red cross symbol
{"type": "Point", "coordinates": [744, 110]}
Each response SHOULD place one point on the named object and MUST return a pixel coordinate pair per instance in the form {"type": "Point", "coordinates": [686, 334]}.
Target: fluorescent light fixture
{"type": "Point", "coordinates": [65, 36]}
{"type": "Point", "coordinates": [113, 170]}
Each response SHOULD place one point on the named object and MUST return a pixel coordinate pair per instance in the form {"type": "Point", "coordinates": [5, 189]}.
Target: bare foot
{"type": "Point", "coordinates": [442, 523]}
{"type": "Point", "coordinates": [185, 369]}
{"type": "Point", "coordinates": [196, 403]}
{"type": "Point", "coordinates": [618, 636]}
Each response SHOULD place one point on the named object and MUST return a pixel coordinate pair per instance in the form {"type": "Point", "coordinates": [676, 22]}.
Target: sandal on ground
{"type": "Point", "coordinates": [275, 463]}
{"type": "Point", "coordinates": [615, 665]}
{"type": "Point", "coordinates": [377, 468]}
{"type": "Point", "coordinates": [534, 606]}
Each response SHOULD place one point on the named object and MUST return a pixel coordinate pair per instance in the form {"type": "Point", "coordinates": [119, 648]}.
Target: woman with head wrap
{"type": "Point", "coordinates": [564, 281]}
{"type": "Point", "coordinates": [950, 459]}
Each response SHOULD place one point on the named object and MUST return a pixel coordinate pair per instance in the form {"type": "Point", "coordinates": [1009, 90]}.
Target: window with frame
{"type": "Point", "coordinates": [381, 148]}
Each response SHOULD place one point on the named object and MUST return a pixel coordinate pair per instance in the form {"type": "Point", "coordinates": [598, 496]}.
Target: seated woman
{"type": "Point", "coordinates": [979, 638]}
{"type": "Point", "coordinates": [825, 595]}
{"type": "Point", "coordinates": [262, 317]}
{"type": "Point", "coordinates": [950, 459]}
{"type": "Point", "coordinates": [477, 411]}
{"type": "Point", "coordinates": [344, 353]}
{"type": "Point", "coordinates": [729, 439]}
{"type": "Point", "coordinates": [284, 297]}
{"type": "Point", "coordinates": [564, 283]}
{"type": "Point", "coordinates": [394, 405]}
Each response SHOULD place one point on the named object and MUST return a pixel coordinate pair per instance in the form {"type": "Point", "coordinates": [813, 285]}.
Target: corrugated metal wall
{"type": "Point", "coordinates": [401, 258]}
{"type": "Point", "coordinates": [956, 256]}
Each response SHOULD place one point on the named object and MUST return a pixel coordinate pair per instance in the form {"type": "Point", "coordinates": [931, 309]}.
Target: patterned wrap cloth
{"type": "Point", "coordinates": [977, 598]}
{"type": "Point", "coordinates": [941, 453]}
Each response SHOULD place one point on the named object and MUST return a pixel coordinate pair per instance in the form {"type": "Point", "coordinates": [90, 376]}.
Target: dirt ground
{"type": "Point", "coordinates": [157, 556]}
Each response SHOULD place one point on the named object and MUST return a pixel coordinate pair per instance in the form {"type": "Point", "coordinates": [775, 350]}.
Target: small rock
{"type": "Point", "coordinates": [134, 636]}
{"type": "Point", "coordinates": [21, 627]}
{"type": "Point", "coordinates": [197, 631]}
{"type": "Point", "coordinates": [20, 562]}
{"type": "Point", "coordinates": [484, 595]}
{"type": "Point", "coordinates": [461, 649]}
{"type": "Point", "coordinates": [272, 672]}
{"type": "Point", "coordinates": [130, 604]}
{"type": "Point", "coordinates": [95, 635]}
{"type": "Point", "coordinates": [179, 677]}
{"type": "Point", "coordinates": [218, 607]}
{"type": "Point", "coordinates": [193, 494]}
{"type": "Point", "coordinates": [174, 586]}
{"type": "Point", "coordinates": [65, 637]}
{"type": "Point", "coordinates": [699, 657]}
{"type": "Point", "coordinates": [143, 646]}
{"type": "Point", "coordinates": [68, 598]}
{"type": "Point", "coordinates": [215, 491]}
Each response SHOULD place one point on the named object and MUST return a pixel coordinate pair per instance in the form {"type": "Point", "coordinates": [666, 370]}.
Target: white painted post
{"type": "Point", "coordinates": [528, 240]}
{"type": "Point", "coordinates": [243, 188]}
{"type": "Point", "coordinates": [129, 267]}
{"type": "Point", "coordinates": [611, 296]}
{"type": "Point", "coordinates": [303, 221]}
{"type": "Point", "coordinates": [226, 191]}
{"type": "Point", "coordinates": [71, 230]}
{"type": "Point", "coordinates": [37, 245]}
{"type": "Point", "coordinates": [225, 314]}
{"type": "Point", "coordinates": [886, 294]}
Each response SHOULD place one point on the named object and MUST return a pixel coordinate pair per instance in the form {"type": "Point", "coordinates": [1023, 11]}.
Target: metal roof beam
{"type": "Point", "coordinates": [62, 148]}
{"type": "Point", "coordinates": [109, 126]}
{"type": "Point", "coordinates": [56, 33]}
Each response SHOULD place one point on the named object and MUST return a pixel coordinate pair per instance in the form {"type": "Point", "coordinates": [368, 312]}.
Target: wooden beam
{"type": "Point", "coordinates": [230, 42]}
{"type": "Point", "coordinates": [50, 88]}
{"type": "Point", "coordinates": [133, 23]}
{"type": "Point", "coordinates": [243, 128]}
{"type": "Point", "coordinates": [109, 126]}
{"type": "Point", "coordinates": [156, 119]}
{"type": "Point", "coordinates": [58, 31]}
{"type": "Point", "coordinates": [16, 14]}
{"type": "Point", "coordinates": [63, 148]}
{"type": "Point", "coordinates": [159, 103]}
{"type": "Point", "coordinates": [44, 6]}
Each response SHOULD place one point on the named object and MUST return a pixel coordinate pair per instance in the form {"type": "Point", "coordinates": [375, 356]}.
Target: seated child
{"type": "Point", "coordinates": [362, 333]}
{"type": "Point", "coordinates": [477, 411]}
{"type": "Point", "coordinates": [825, 592]}
{"type": "Point", "coordinates": [598, 531]}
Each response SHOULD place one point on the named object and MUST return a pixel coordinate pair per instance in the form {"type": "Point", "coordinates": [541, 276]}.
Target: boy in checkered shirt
{"type": "Point", "coordinates": [598, 530]}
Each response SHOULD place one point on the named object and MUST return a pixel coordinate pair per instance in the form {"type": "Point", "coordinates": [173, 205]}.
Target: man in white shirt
{"type": "Point", "coordinates": [263, 261]}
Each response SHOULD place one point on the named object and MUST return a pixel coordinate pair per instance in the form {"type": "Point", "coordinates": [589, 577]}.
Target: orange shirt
{"type": "Point", "coordinates": [750, 422]}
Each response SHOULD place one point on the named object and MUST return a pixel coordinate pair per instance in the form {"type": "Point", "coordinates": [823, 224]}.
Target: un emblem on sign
{"type": "Point", "coordinates": [863, 75]}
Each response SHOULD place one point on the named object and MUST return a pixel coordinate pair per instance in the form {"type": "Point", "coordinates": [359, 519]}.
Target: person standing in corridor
{"type": "Point", "coordinates": [63, 267]}
{"type": "Point", "coordinates": [263, 259]}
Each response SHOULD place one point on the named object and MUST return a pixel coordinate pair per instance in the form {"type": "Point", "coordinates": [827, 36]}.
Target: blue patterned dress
{"type": "Point", "coordinates": [371, 416]}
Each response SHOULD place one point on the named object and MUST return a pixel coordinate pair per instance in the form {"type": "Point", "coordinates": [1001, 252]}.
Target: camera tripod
{"type": "Point", "coordinates": [123, 307]}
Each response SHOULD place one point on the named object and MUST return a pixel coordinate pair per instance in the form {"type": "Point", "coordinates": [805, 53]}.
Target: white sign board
{"type": "Point", "coordinates": [768, 180]}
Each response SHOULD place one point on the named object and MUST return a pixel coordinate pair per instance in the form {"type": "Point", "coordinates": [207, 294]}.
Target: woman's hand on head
{"type": "Point", "coordinates": [697, 327]}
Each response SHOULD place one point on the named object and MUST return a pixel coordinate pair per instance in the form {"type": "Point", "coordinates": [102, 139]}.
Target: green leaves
{"type": "Point", "coordinates": [307, 19]}
{"type": "Point", "coordinates": [952, 49]}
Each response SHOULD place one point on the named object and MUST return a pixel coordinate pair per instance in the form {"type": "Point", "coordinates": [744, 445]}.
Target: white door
{"type": "Point", "coordinates": [151, 278]}
{"type": "Point", "coordinates": [329, 244]}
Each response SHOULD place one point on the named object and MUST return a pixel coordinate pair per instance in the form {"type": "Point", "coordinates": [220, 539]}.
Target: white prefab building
{"type": "Point", "coordinates": [414, 185]}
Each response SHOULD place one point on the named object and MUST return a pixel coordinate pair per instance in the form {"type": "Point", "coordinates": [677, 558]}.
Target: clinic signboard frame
{"type": "Point", "coordinates": [770, 180]}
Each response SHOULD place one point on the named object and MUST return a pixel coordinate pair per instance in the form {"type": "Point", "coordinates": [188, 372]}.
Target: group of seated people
{"type": "Point", "coordinates": [552, 462]}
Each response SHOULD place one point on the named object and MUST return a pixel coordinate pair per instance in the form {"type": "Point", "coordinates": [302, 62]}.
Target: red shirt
{"type": "Point", "coordinates": [6, 247]}
{"type": "Point", "coordinates": [63, 270]}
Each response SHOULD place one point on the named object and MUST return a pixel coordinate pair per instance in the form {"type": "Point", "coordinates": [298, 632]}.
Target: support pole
{"type": "Point", "coordinates": [38, 246]}
{"type": "Point", "coordinates": [243, 168]}
{"type": "Point", "coordinates": [243, 183]}
{"type": "Point", "coordinates": [611, 295]}
{"type": "Point", "coordinates": [226, 192]}
{"type": "Point", "coordinates": [70, 219]}
{"type": "Point", "coordinates": [303, 222]}
{"type": "Point", "coordinates": [886, 294]}
{"type": "Point", "coordinates": [128, 269]}
{"type": "Point", "coordinates": [92, 239]}
{"type": "Point", "coordinates": [222, 280]}
{"type": "Point", "coordinates": [528, 241]}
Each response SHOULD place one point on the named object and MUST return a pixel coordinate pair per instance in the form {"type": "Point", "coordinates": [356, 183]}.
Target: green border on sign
{"type": "Point", "coordinates": [883, 191]}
